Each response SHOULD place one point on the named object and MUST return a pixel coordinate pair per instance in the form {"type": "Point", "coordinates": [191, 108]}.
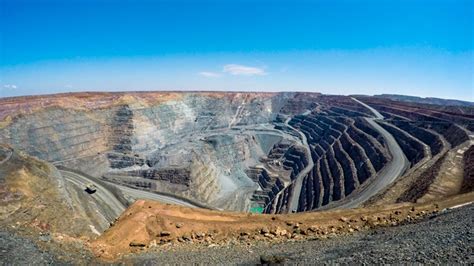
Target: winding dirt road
{"type": "Point", "coordinates": [140, 194]}
{"type": "Point", "coordinates": [109, 205]}
{"type": "Point", "coordinates": [108, 198]}
{"type": "Point", "coordinates": [298, 181]}
{"type": "Point", "coordinates": [393, 170]}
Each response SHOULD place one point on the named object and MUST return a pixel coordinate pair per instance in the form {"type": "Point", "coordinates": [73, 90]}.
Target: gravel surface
{"type": "Point", "coordinates": [446, 238]}
{"type": "Point", "coordinates": [21, 251]}
{"type": "Point", "coordinates": [40, 250]}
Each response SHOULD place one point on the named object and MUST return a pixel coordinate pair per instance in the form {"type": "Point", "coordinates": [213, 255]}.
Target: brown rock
{"type": "Point", "coordinates": [179, 225]}
{"type": "Point", "coordinates": [343, 219]}
{"type": "Point", "coordinates": [165, 233]}
{"type": "Point", "coordinates": [264, 230]}
{"type": "Point", "coordinates": [137, 243]}
{"type": "Point", "coordinates": [313, 228]}
{"type": "Point", "coordinates": [268, 235]}
{"type": "Point", "coordinates": [277, 231]}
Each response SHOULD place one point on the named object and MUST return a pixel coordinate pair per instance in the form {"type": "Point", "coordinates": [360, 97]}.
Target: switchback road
{"type": "Point", "coordinates": [393, 170]}
{"type": "Point", "coordinates": [298, 181]}
{"type": "Point", "coordinates": [108, 198]}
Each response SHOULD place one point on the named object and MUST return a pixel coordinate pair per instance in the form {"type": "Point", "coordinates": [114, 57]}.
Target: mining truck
{"type": "Point", "coordinates": [91, 188]}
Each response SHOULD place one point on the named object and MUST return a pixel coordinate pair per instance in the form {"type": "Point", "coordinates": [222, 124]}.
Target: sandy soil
{"type": "Point", "coordinates": [450, 178]}
{"type": "Point", "coordinates": [147, 225]}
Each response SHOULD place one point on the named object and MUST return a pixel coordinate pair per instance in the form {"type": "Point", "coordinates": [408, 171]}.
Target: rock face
{"type": "Point", "coordinates": [229, 150]}
{"type": "Point", "coordinates": [170, 142]}
{"type": "Point", "coordinates": [468, 180]}
{"type": "Point", "coordinates": [344, 155]}
{"type": "Point", "coordinates": [412, 147]}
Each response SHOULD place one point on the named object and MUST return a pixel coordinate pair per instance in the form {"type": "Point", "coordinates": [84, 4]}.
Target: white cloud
{"type": "Point", "coordinates": [209, 74]}
{"type": "Point", "coordinates": [10, 86]}
{"type": "Point", "coordinates": [234, 69]}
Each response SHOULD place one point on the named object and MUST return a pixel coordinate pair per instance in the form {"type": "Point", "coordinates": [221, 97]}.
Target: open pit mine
{"type": "Point", "coordinates": [87, 177]}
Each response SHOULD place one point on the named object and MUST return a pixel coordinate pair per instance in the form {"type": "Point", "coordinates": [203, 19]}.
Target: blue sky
{"type": "Point", "coordinates": [412, 47]}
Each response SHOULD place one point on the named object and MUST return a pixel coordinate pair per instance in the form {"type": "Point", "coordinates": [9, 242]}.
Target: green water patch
{"type": "Point", "coordinates": [256, 210]}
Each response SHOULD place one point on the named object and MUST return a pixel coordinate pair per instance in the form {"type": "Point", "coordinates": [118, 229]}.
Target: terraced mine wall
{"type": "Point", "coordinates": [133, 138]}
{"type": "Point", "coordinates": [344, 162]}
{"type": "Point", "coordinates": [231, 150]}
{"type": "Point", "coordinates": [412, 147]}
{"type": "Point", "coordinates": [423, 182]}
{"type": "Point", "coordinates": [345, 152]}
{"type": "Point", "coordinates": [468, 175]}
{"type": "Point", "coordinates": [284, 162]}
{"type": "Point", "coordinates": [452, 125]}
{"type": "Point", "coordinates": [56, 134]}
{"type": "Point", "coordinates": [429, 138]}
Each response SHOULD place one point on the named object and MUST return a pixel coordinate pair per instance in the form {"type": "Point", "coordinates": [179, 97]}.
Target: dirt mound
{"type": "Point", "coordinates": [442, 239]}
{"type": "Point", "coordinates": [148, 225]}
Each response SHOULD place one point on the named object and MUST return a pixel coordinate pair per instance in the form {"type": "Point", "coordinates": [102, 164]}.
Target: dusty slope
{"type": "Point", "coordinates": [149, 225]}
{"type": "Point", "coordinates": [32, 195]}
{"type": "Point", "coordinates": [35, 214]}
{"type": "Point", "coordinates": [443, 239]}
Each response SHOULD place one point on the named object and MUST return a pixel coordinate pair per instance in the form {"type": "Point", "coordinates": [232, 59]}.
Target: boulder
{"type": "Point", "coordinates": [165, 233]}
{"type": "Point", "coordinates": [137, 243]}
